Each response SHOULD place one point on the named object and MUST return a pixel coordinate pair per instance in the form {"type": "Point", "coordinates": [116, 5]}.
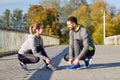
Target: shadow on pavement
{"type": "Point", "coordinates": [62, 67]}
{"type": "Point", "coordinates": [104, 65]}
{"type": "Point", "coordinates": [8, 59]}
{"type": "Point", "coordinates": [44, 74]}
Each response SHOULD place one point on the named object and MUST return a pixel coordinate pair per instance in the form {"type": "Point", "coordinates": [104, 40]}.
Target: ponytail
{"type": "Point", "coordinates": [32, 29]}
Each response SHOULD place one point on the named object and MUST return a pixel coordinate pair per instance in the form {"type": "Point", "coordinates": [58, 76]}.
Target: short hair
{"type": "Point", "coordinates": [72, 19]}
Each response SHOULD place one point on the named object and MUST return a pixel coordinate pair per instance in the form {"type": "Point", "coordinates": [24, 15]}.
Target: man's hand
{"type": "Point", "coordinates": [70, 61]}
{"type": "Point", "coordinates": [76, 61]}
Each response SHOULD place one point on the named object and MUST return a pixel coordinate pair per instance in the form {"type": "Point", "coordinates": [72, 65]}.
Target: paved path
{"type": "Point", "coordinates": [105, 66]}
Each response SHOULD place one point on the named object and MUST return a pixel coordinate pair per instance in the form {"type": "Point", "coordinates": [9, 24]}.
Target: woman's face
{"type": "Point", "coordinates": [40, 31]}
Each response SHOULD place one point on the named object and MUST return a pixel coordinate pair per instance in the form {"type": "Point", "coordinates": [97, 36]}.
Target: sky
{"type": "Point", "coordinates": [25, 4]}
{"type": "Point", "coordinates": [115, 3]}
{"type": "Point", "coordinates": [16, 4]}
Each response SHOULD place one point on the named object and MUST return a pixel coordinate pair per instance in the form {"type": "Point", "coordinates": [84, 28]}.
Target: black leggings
{"type": "Point", "coordinates": [28, 57]}
{"type": "Point", "coordinates": [88, 54]}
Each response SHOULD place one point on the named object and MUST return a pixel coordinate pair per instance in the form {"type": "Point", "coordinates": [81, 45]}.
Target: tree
{"type": "Point", "coordinates": [115, 26]}
{"type": "Point", "coordinates": [69, 8]}
{"type": "Point", "coordinates": [6, 18]}
{"type": "Point", "coordinates": [25, 23]}
{"type": "Point", "coordinates": [36, 13]}
{"type": "Point", "coordinates": [17, 19]}
{"type": "Point", "coordinates": [51, 4]}
{"type": "Point", "coordinates": [47, 16]}
{"type": "Point", "coordinates": [82, 14]}
{"type": "Point", "coordinates": [91, 16]}
{"type": "Point", "coordinates": [96, 16]}
{"type": "Point", "coordinates": [64, 37]}
{"type": "Point", "coordinates": [53, 21]}
{"type": "Point", "coordinates": [1, 21]}
{"type": "Point", "coordinates": [112, 10]}
{"type": "Point", "coordinates": [84, 2]}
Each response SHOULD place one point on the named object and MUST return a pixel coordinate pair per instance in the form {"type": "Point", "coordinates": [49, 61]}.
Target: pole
{"type": "Point", "coordinates": [104, 26]}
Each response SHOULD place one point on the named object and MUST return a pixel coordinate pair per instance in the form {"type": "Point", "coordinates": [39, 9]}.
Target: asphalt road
{"type": "Point", "coordinates": [105, 66]}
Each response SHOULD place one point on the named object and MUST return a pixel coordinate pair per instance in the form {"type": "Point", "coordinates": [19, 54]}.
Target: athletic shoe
{"type": "Point", "coordinates": [23, 66]}
{"type": "Point", "coordinates": [87, 62]}
{"type": "Point", "coordinates": [50, 67]}
{"type": "Point", "coordinates": [73, 66]}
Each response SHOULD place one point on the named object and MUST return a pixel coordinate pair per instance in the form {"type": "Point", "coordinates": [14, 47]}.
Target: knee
{"type": "Point", "coordinates": [36, 60]}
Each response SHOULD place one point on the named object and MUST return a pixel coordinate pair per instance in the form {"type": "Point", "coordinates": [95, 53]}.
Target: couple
{"type": "Point", "coordinates": [81, 47]}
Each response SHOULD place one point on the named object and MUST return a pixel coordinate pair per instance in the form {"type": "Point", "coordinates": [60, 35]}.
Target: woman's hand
{"type": "Point", "coordinates": [48, 61]}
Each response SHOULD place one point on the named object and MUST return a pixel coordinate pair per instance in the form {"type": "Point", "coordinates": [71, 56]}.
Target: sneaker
{"type": "Point", "coordinates": [87, 62]}
{"type": "Point", "coordinates": [73, 66]}
{"type": "Point", "coordinates": [23, 66]}
{"type": "Point", "coordinates": [50, 67]}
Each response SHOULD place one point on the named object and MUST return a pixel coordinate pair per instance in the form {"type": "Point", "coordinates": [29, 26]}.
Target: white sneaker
{"type": "Point", "coordinates": [50, 67]}
{"type": "Point", "coordinates": [23, 66]}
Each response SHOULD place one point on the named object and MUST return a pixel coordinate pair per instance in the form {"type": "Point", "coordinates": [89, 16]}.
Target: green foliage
{"type": "Point", "coordinates": [25, 22]}
{"type": "Point", "coordinates": [51, 4]}
{"type": "Point", "coordinates": [96, 16]}
{"type": "Point", "coordinates": [64, 37]}
{"type": "Point", "coordinates": [1, 21]}
{"type": "Point", "coordinates": [46, 16]}
{"type": "Point", "coordinates": [53, 15]}
{"type": "Point", "coordinates": [81, 14]}
{"type": "Point", "coordinates": [92, 18]}
{"type": "Point", "coordinates": [98, 35]}
{"type": "Point", "coordinates": [36, 13]}
{"type": "Point", "coordinates": [116, 25]}
{"type": "Point", "coordinates": [6, 18]}
{"type": "Point", "coordinates": [16, 18]}
{"type": "Point", "coordinates": [69, 8]}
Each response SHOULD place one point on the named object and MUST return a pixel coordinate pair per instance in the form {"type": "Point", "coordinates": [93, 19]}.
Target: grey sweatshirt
{"type": "Point", "coordinates": [84, 37]}
{"type": "Point", "coordinates": [31, 44]}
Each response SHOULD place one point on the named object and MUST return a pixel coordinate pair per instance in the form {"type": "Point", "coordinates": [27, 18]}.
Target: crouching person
{"type": "Point", "coordinates": [81, 46]}
{"type": "Point", "coordinates": [32, 49]}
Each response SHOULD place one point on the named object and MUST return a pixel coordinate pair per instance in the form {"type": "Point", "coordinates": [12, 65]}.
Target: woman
{"type": "Point", "coordinates": [32, 49]}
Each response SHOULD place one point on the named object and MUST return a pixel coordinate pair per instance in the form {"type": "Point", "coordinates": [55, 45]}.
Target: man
{"type": "Point", "coordinates": [81, 46]}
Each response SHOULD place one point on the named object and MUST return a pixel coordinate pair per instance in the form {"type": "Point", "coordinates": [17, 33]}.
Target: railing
{"type": "Point", "coordinates": [112, 40]}
{"type": "Point", "coordinates": [11, 40]}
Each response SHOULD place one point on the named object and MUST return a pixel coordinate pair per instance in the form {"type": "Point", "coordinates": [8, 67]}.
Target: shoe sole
{"type": "Point", "coordinates": [20, 65]}
{"type": "Point", "coordinates": [51, 68]}
{"type": "Point", "coordinates": [73, 69]}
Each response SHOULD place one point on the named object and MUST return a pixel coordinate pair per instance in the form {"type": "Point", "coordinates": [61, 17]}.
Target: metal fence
{"type": "Point", "coordinates": [112, 40]}
{"type": "Point", "coordinates": [11, 40]}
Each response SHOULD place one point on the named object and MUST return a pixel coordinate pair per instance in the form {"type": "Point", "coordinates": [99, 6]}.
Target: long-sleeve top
{"type": "Point", "coordinates": [83, 36]}
{"type": "Point", "coordinates": [31, 44]}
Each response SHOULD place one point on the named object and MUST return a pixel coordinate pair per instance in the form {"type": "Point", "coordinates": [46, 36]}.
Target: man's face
{"type": "Point", "coordinates": [70, 25]}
